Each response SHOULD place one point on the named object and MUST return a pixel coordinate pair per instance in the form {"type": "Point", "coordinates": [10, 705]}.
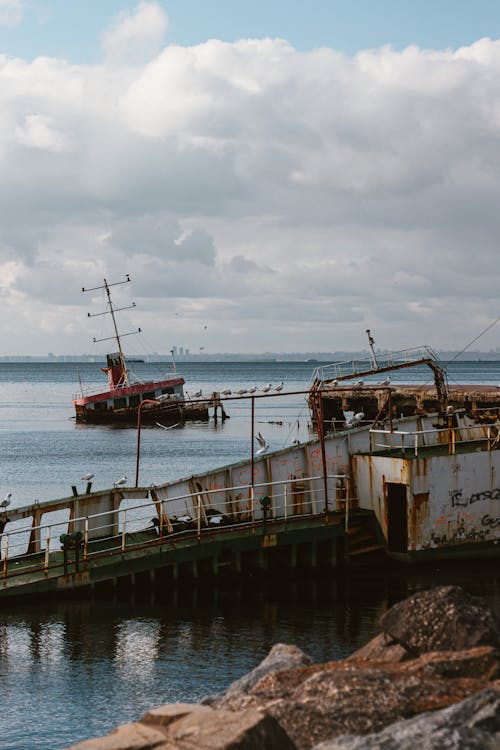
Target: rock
{"type": "Point", "coordinates": [322, 701]}
{"type": "Point", "coordinates": [184, 726]}
{"type": "Point", "coordinates": [381, 648]}
{"type": "Point", "coordinates": [444, 618]}
{"type": "Point", "coordinates": [280, 657]}
{"type": "Point", "coordinates": [472, 724]}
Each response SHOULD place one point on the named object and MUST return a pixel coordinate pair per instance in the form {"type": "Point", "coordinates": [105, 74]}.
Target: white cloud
{"type": "Point", "coordinates": [248, 182]}
{"type": "Point", "coordinates": [11, 12]}
{"type": "Point", "coordinates": [138, 35]}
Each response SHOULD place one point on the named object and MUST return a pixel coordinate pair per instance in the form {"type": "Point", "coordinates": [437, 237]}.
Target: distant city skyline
{"type": "Point", "coordinates": [272, 178]}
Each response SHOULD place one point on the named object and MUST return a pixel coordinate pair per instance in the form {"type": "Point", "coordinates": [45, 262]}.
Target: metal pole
{"type": "Point", "coordinates": [138, 452]}
{"type": "Point", "coordinates": [323, 451]}
{"type": "Point", "coordinates": [6, 557]}
{"type": "Point", "coordinates": [252, 437]}
{"type": "Point", "coordinates": [124, 531]}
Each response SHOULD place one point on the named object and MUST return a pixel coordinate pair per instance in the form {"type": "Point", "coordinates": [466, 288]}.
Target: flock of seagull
{"type": "Point", "coordinates": [245, 391]}
{"type": "Point", "coordinates": [360, 383]}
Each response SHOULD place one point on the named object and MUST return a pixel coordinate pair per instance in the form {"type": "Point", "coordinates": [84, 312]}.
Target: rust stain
{"type": "Point", "coordinates": [418, 514]}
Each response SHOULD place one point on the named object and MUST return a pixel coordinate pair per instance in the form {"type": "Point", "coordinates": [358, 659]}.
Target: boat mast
{"type": "Point", "coordinates": [111, 312]}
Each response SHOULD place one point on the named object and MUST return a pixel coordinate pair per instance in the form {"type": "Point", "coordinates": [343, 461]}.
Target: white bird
{"type": "Point", "coordinates": [262, 442]}
{"type": "Point", "coordinates": [6, 502]}
{"type": "Point", "coordinates": [170, 427]}
{"type": "Point", "coordinates": [385, 382]}
{"type": "Point", "coordinates": [354, 419]}
{"type": "Point", "coordinates": [252, 389]}
{"type": "Point", "coordinates": [197, 394]}
{"type": "Point", "coordinates": [358, 383]}
{"type": "Point", "coordinates": [120, 482]}
{"type": "Point", "coordinates": [241, 391]}
{"type": "Point", "coordinates": [279, 387]}
{"type": "Point", "coordinates": [87, 477]}
{"type": "Point", "coordinates": [335, 382]}
{"type": "Point", "coordinates": [266, 388]}
{"type": "Point", "coordinates": [163, 397]}
{"type": "Point", "coordinates": [226, 392]}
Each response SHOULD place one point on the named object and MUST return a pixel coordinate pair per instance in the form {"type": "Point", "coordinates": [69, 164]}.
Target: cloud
{"type": "Point", "coordinates": [248, 182]}
{"type": "Point", "coordinates": [11, 12]}
{"type": "Point", "coordinates": [138, 35]}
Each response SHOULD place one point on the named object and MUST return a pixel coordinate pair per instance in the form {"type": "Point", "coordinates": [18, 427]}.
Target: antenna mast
{"type": "Point", "coordinates": [371, 342]}
{"type": "Point", "coordinates": [111, 312]}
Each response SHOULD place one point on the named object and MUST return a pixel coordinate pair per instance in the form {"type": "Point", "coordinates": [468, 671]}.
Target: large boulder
{"type": "Point", "coordinates": [472, 724]}
{"type": "Point", "coordinates": [185, 726]}
{"type": "Point", "coordinates": [280, 657]}
{"type": "Point", "coordinates": [444, 618]}
{"type": "Point", "coordinates": [323, 701]}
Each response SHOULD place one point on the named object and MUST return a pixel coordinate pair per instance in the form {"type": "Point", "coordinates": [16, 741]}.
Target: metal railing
{"type": "Point", "coordinates": [113, 532]}
{"type": "Point", "coordinates": [384, 360]}
{"type": "Point", "coordinates": [412, 442]}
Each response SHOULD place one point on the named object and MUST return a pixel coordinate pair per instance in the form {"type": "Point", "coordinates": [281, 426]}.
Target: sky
{"type": "Point", "coordinates": [273, 177]}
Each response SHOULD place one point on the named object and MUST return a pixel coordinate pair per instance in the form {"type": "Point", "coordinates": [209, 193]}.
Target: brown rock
{"type": "Point", "coordinates": [444, 618]}
{"type": "Point", "coordinates": [184, 726]}
{"type": "Point", "coordinates": [323, 701]}
{"type": "Point", "coordinates": [126, 737]}
{"type": "Point", "coordinates": [381, 648]}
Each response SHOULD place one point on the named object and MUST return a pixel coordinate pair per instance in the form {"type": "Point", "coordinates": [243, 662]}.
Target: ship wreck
{"type": "Point", "coordinates": [397, 490]}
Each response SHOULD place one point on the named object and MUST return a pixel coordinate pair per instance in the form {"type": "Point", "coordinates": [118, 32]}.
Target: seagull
{"type": "Point", "coordinates": [197, 394]}
{"type": "Point", "coordinates": [120, 482]}
{"type": "Point", "coordinates": [163, 397]}
{"type": "Point", "coordinates": [87, 477]}
{"type": "Point", "coordinates": [267, 388]}
{"type": "Point", "coordinates": [335, 382]}
{"type": "Point", "coordinates": [279, 387]}
{"type": "Point", "coordinates": [252, 389]}
{"type": "Point", "coordinates": [354, 419]}
{"type": "Point", "coordinates": [226, 392]}
{"type": "Point", "coordinates": [385, 382]}
{"type": "Point", "coordinates": [262, 442]}
{"type": "Point", "coordinates": [358, 383]}
{"type": "Point", "coordinates": [241, 391]}
{"type": "Point", "coordinates": [6, 502]}
{"type": "Point", "coordinates": [170, 427]}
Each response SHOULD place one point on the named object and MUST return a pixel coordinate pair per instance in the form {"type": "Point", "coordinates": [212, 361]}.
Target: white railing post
{"type": "Point", "coordinates": [416, 443]}
{"type": "Point", "coordinates": [124, 530]}
{"type": "Point", "coordinates": [47, 552]}
{"type": "Point", "coordinates": [285, 500]}
{"type": "Point", "coordinates": [199, 517]}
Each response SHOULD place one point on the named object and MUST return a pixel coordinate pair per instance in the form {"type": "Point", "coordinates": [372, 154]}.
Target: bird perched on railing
{"type": "Point", "coordinates": [120, 482]}
{"type": "Point", "coordinates": [266, 388]}
{"type": "Point", "coordinates": [226, 392]}
{"type": "Point", "coordinates": [279, 387]}
{"type": "Point", "coordinates": [87, 477]}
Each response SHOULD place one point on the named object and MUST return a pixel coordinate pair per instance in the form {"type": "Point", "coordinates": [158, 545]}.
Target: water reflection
{"type": "Point", "coordinates": [81, 667]}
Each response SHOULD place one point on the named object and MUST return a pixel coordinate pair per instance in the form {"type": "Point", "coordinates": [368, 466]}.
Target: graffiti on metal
{"type": "Point", "coordinates": [458, 500]}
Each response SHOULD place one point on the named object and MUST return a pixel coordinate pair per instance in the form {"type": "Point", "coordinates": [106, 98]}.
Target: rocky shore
{"type": "Point", "coordinates": [429, 680]}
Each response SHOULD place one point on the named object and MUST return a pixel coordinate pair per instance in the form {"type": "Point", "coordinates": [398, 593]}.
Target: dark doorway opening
{"type": "Point", "coordinates": [397, 526]}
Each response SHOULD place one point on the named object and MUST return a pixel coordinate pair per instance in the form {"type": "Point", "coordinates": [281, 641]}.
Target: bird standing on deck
{"type": "Point", "coordinates": [6, 501]}
{"type": "Point", "coordinates": [358, 383]}
{"type": "Point", "coordinates": [262, 442]}
{"type": "Point", "coordinates": [354, 420]}
{"type": "Point", "coordinates": [385, 382]}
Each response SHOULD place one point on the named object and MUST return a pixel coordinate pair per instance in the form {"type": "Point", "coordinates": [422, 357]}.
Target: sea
{"type": "Point", "coordinates": [75, 669]}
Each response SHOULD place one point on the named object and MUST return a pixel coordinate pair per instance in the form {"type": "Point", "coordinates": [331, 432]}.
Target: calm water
{"type": "Point", "coordinates": [73, 670]}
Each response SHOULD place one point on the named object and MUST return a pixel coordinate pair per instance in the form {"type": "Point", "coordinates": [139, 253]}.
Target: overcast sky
{"type": "Point", "coordinates": [272, 176]}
